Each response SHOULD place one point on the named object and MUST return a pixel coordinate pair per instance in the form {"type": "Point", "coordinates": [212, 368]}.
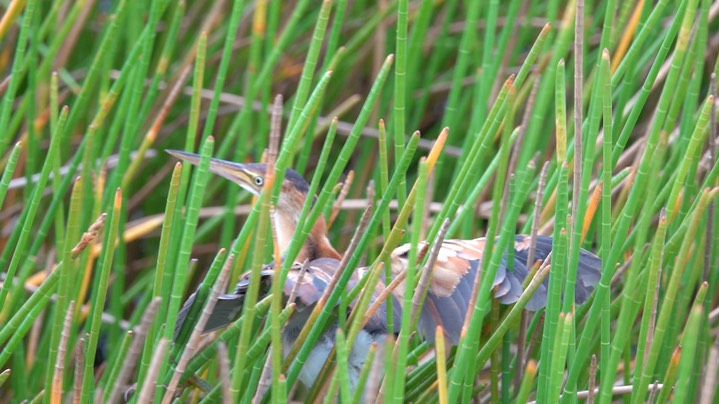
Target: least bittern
{"type": "Point", "coordinates": [449, 291]}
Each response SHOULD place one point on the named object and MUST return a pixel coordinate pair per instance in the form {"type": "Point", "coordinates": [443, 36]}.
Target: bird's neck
{"type": "Point", "coordinates": [317, 244]}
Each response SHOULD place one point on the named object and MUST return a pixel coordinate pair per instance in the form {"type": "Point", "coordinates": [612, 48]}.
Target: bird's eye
{"type": "Point", "coordinates": [259, 181]}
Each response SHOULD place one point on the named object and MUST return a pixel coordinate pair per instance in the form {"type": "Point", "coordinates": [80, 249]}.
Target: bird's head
{"type": "Point", "coordinates": [252, 177]}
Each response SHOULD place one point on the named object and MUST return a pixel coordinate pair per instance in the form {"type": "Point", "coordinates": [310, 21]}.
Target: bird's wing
{"type": "Point", "coordinates": [309, 288]}
{"type": "Point", "coordinates": [452, 282]}
{"type": "Point", "coordinates": [588, 270]}
{"type": "Point", "coordinates": [229, 305]}
{"type": "Point", "coordinates": [450, 287]}
{"type": "Point", "coordinates": [312, 284]}
{"type": "Point", "coordinates": [317, 279]}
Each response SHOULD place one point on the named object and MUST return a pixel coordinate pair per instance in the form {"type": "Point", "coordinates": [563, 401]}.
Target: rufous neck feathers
{"type": "Point", "coordinates": [317, 244]}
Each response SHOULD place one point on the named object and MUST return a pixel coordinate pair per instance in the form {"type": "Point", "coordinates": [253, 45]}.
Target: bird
{"type": "Point", "coordinates": [449, 291]}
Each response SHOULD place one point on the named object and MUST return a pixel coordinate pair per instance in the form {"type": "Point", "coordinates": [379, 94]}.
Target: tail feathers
{"type": "Point", "coordinates": [227, 309]}
{"type": "Point", "coordinates": [229, 306]}
{"type": "Point", "coordinates": [182, 314]}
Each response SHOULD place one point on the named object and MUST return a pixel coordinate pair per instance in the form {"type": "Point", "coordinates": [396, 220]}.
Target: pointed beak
{"type": "Point", "coordinates": [238, 173]}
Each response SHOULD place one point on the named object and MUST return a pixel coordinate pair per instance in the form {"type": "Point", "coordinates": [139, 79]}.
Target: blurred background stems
{"type": "Point", "coordinates": [93, 91]}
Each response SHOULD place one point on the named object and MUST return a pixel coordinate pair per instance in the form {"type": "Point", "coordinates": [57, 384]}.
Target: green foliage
{"type": "Point", "coordinates": [105, 236]}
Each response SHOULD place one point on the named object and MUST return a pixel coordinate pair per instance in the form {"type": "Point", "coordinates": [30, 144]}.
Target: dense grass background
{"type": "Point", "coordinates": [104, 235]}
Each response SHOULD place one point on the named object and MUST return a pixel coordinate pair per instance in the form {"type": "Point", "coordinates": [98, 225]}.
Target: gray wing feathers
{"type": "Point", "coordinates": [184, 311]}
{"type": "Point", "coordinates": [227, 309]}
{"type": "Point", "coordinates": [377, 324]}
{"type": "Point", "coordinates": [450, 311]}
{"type": "Point", "coordinates": [588, 272]}
{"type": "Point", "coordinates": [511, 287]}
{"type": "Point", "coordinates": [229, 305]}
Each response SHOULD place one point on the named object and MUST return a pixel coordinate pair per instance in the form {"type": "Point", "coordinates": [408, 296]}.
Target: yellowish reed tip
{"type": "Point", "coordinates": [676, 355]}
{"type": "Point", "coordinates": [118, 198]}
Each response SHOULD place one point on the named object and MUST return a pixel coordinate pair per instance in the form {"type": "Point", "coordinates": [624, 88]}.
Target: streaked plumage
{"type": "Point", "coordinates": [450, 287]}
